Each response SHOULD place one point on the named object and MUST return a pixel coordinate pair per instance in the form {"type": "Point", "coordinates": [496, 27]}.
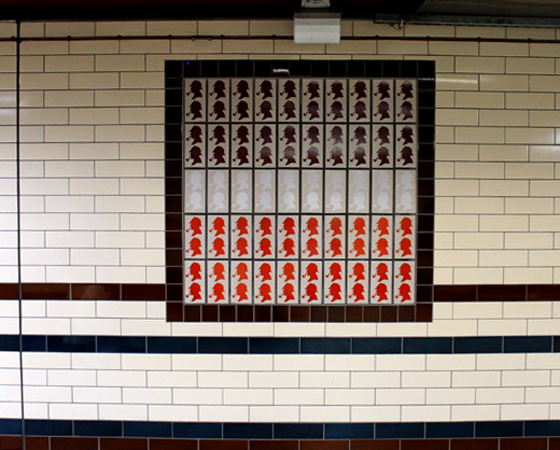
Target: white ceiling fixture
{"type": "Point", "coordinates": [316, 24]}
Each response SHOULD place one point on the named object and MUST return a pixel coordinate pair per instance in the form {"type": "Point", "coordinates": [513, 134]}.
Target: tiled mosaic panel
{"type": "Point", "coordinates": [300, 191]}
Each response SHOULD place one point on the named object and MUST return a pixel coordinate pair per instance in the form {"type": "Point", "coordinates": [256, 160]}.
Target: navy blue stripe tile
{"type": "Point", "coordinates": [527, 344]}
{"type": "Point", "coordinates": [428, 345]}
{"type": "Point", "coordinates": [74, 344]}
{"type": "Point", "coordinates": [399, 430]}
{"type": "Point", "coordinates": [147, 429]}
{"type": "Point", "coordinates": [556, 344]}
{"type": "Point", "coordinates": [247, 431]}
{"type": "Point", "coordinates": [98, 428]}
{"type": "Point", "coordinates": [298, 431]}
{"type": "Point", "coordinates": [349, 431]}
{"type": "Point", "coordinates": [542, 428]}
{"type": "Point", "coordinates": [10, 426]}
{"type": "Point", "coordinates": [325, 345]}
{"type": "Point", "coordinates": [449, 430]}
{"type": "Point", "coordinates": [222, 345]}
{"type": "Point", "coordinates": [202, 430]}
{"type": "Point", "coordinates": [171, 345]}
{"type": "Point", "coordinates": [498, 429]}
{"type": "Point", "coordinates": [121, 344]}
{"type": "Point", "coordinates": [478, 344]}
{"type": "Point", "coordinates": [34, 343]}
{"type": "Point", "coordinates": [9, 343]}
{"type": "Point", "coordinates": [48, 427]}
{"type": "Point", "coordinates": [259, 345]}
{"type": "Point", "coordinates": [378, 346]}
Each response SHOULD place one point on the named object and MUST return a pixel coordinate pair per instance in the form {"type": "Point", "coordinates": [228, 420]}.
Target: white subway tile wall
{"type": "Point", "coordinates": [92, 212]}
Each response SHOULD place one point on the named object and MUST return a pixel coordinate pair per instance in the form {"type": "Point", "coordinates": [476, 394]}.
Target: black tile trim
{"type": "Point", "coordinates": [282, 346]}
{"type": "Point", "coordinates": [269, 431]}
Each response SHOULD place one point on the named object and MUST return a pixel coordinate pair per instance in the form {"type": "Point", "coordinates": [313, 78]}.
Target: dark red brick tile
{"type": "Point", "coordinates": [372, 314]}
{"type": "Point", "coordinates": [474, 444]}
{"type": "Point", "coordinates": [245, 313]}
{"type": "Point", "coordinates": [9, 291]}
{"type": "Point", "coordinates": [318, 314]}
{"type": "Point", "coordinates": [336, 313]}
{"type": "Point", "coordinates": [425, 444]}
{"type": "Point", "coordinates": [143, 291]}
{"type": "Point", "coordinates": [457, 293]}
{"type": "Point", "coordinates": [223, 445]}
{"type": "Point", "coordinates": [374, 444]}
{"type": "Point", "coordinates": [123, 444]}
{"type": "Point", "coordinates": [11, 443]}
{"type": "Point", "coordinates": [174, 311]}
{"type": "Point", "coordinates": [263, 313]}
{"type": "Point", "coordinates": [424, 313]}
{"type": "Point", "coordinates": [554, 443]}
{"type": "Point", "coordinates": [209, 313]}
{"type": "Point", "coordinates": [354, 313]}
{"type": "Point", "coordinates": [73, 443]}
{"type": "Point", "coordinates": [523, 443]}
{"type": "Point", "coordinates": [324, 445]}
{"type": "Point", "coordinates": [96, 291]}
{"type": "Point", "coordinates": [543, 292]}
{"type": "Point", "coordinates": [173, 444]}
{"type": "Point", "coordinates": [37, 443]}
{"type": "Point", "coordinates": [46, 291]}
{"type": "Point", "coordinates": [502, 292]}
{"type": "Point", "coordinates": [191, 313]}
{"type": "Point", "coordinates": [273, 445]}
{"type": "Point", "coordinates": [406, 313]}
{"type": "Point", "coordinates": [300, 313]}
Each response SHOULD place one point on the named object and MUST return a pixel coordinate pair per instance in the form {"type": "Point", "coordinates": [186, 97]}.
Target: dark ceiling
{"type": "Point", "coordinates": [194, 9]}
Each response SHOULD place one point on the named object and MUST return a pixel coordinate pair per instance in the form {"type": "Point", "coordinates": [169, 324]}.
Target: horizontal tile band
{"type": "Point", "coordinates": [141, 292]}
{"type": "Point", "coordinates": [281, 346]}
{"type": "Point", "coordinates": [270, 431]}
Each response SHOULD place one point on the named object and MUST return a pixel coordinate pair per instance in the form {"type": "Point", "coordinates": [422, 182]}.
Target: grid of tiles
{"type": "Point", "coordinates": [292, 224]}
{"type": "Point", "coordinates": [420, 133]}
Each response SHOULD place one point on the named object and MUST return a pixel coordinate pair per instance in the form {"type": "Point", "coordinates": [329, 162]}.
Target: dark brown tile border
{"type": "Point", "coordinates": [71, 443]}
{"type": "Point", "coordinates": [496, 293]}
{"type": "Point", "coordinates": [424, 71]}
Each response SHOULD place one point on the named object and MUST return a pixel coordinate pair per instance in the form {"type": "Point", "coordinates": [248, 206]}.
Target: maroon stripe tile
{"type": "Point", "coordinates": [280, 313]}
{"type": "Point", "coordinates": [474, 444]}
{"type": "Point", "coordinates": [174, 311]}
{"type": "Point", "coordinates": [371, 444]}
{"type": "Point", "coordinates": [46, 291]}
{"type": "Point", "coordinates": [502, 293]}
{"type": "Point", "coordinates": [123, 444]}
{"type": "Point", "coordinates": [96, 291]}
{"type": "Point", "coordinates": [523, 443]}
{"type": "Point", "coordinates": [425, 444]}
{"type": "Point", "coordinates": [173, 444]}
{"type": "Point", "coordinates": [223, 445]}
{"type": "Point", "coordinates": [209, 313]}
{"type": "Point", "coordinates": [245, 313]}
{"type": "Point", "coordinates": [37, 443]}
{"type": "Point", "coordinates": [336, 313]}
{"type": "Point", "coordinates": [11, 442]}
{"type": "Point", "coordinates": [9, 291]}
{"type": "Point", "coordinates": [324, 445]}
{"type": "Point", "coordinates": [263, 313]}
{"type": "Point", "coordinates": [457, 293]}
{"type": "Point", "coordinates": [543, 292]}
{"type": "Point", "coordinates": [318, 313]}
{"type": "Point", "coordinates": [424, 312]}
{"type": "Point", "coordinates": [406, 313]}
{"type": "Point", "coordinates": [228, 313]}
{"type": "Point", "coordinates": [300, 313]}
{"type": "Point", "coordinates": [388, 314]}
{"type": "Point", "coordinates": [372, 314]}
{"type": "Point", "coordinates": [192, 313]}
{"type": "Point", "coordinates": [72, 443]}
{"type": "Point", "coordinates": [554, 443]}
{"type": "Point", "coordinates": [354, 313]}
{"type": "Point", "coordinates": [143, 291]}
{"type": "Point", "coordinates": [274, 445]}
